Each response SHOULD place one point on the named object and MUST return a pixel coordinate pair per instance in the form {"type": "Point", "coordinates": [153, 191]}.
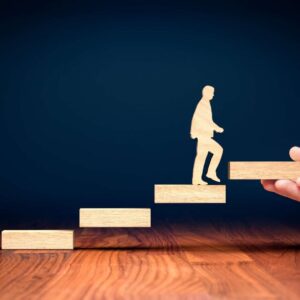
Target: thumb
{"type": "Point", "coordinates": [295, 153]}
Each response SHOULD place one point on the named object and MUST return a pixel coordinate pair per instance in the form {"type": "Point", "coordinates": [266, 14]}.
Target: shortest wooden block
{"type": "Point", "coordinates": [38, 239]}
{"type": "Point", "coordinates": [115, 217]}
{"type": "Point", "coordinates": [171, 193]}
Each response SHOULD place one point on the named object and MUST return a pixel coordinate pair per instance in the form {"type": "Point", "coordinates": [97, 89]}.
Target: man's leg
{"type": "Point", "coordinates": [199, 163]}
{"type": "Point", "coordinates": [217, 152]}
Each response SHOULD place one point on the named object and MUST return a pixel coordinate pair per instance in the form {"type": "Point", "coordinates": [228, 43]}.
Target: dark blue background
{"type": "Point", "coordinates": [97, 99]}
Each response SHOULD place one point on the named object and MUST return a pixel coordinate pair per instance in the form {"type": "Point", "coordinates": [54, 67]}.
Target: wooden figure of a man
{"type": "Point", "coordinates": [202, 129]}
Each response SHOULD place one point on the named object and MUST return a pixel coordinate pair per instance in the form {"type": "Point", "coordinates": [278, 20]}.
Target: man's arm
{"type": "Point", "coordinates": [217, 128]}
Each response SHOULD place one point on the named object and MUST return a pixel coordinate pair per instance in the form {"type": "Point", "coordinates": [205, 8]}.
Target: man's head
{"type": "Point", "coordinates": [208, 92]}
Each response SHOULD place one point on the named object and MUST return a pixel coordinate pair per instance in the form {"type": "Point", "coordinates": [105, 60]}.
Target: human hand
{"type": "Point", "coordinates": [220, 130]}
{"type": "Point", "coordinates": [286, 188]}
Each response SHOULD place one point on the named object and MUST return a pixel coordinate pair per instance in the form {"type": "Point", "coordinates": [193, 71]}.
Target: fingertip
{"type": "Point", "coordinates": [286, 188]}
{"type": "Point", "coordinates": [295, 153]}
{"type": "Point", "coordinates": [268, 185]}
{"type": "Point", "coordinates": [281, 184]}
{"type": "Point", "coordinates": [267, 181]}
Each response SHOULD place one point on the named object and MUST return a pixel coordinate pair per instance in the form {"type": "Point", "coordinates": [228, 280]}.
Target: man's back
{"type": "Point", "coordinates": [202, 123]}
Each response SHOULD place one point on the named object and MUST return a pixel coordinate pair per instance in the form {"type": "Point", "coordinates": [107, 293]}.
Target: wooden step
{"type": "Point", "coordinates": [170, 193]}
{"type": "Point", "coordinates": [38, 239]}
{"type": "Point", "coordinates": [115, 217]}
{"type": "Point", "coordinates": [263, 170]}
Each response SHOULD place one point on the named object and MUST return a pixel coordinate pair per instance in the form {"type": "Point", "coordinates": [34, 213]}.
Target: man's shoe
{"type": "Point", "coordinates": [213, 177]}
{"type": "Point", "coordinates": [199, 182]}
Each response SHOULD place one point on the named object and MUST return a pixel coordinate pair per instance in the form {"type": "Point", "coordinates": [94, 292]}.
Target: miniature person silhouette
{"type": "Point", "coordinates": [202, 129]}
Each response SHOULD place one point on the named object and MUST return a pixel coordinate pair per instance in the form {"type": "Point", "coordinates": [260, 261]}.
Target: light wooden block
{"type": "Point", "coordinates": [263, 170]}
{"type": "Point", "coordinates": [115, 217]}
{"type": "Point", "coordinates": [37, 239]}
{"type": "Point", "coordinates": [190, 193]}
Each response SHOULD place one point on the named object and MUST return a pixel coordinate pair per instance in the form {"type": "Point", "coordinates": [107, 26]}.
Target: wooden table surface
{"type": "Point", "coordinates": [212, 260]}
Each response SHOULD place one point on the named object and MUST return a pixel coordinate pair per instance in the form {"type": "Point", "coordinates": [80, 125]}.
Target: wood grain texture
{"type": "Point", "coordinates": [263, 170]}
{"type": "Point", "coordinates": [115, 217]}
{"type": "Point", "coordinates": [37, 239]}
{"type": "Point", "coordinates": [216, 260]}
{"type": "Point", "coordinates": [190, 193]}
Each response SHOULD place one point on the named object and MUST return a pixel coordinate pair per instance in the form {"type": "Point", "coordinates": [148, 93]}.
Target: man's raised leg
{"type": "Point", "coordinates": [217, 152]}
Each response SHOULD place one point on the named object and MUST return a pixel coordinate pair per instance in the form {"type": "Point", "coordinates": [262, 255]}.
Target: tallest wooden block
{"type": "Point", "coordinates": [263, 170]}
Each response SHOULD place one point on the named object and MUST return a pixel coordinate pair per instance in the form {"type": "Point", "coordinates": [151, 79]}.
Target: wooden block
{"type": "Point", "coordinates": [37, 239]}
{"type": "Point", "coordinates": [115, 217]}
{"type": "Point", "coordinates": [190, 193]}
{"type": "Point", "coordinates": [264, 170]}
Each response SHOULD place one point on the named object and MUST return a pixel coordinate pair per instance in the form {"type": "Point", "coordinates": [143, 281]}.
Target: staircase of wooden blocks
{"type": "Point", "coordinates": [141, 217]}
